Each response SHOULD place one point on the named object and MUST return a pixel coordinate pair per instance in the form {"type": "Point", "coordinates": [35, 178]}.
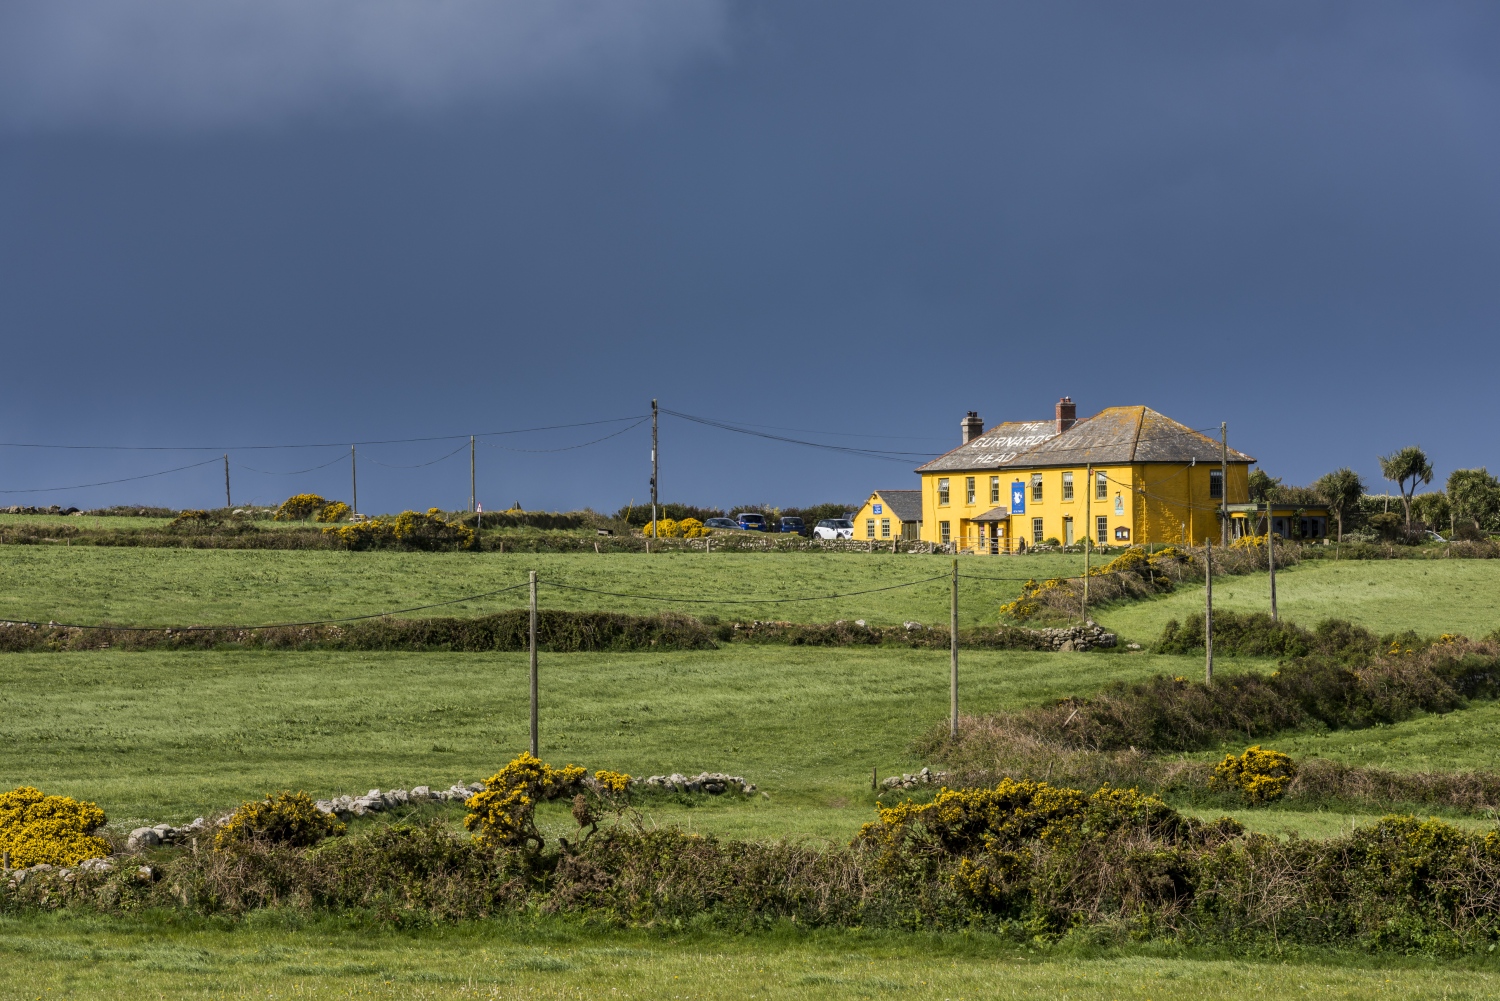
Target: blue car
{"type": "Point", "coordinates": [752, 522]}
{"type": "Point", "coordinates": [793, 525]}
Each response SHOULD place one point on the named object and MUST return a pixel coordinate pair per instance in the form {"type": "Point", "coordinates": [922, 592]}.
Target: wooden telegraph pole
{"type": "Point", "coordinates": [472, 496]}
{"type": "Point", "coordinates": [227, 501]}
{"type": "Point", "coordinates": [1208, 611]}
{"type": "Point", "coordinates": [535, 741]}
{"type": "Point", "coordinates": [953, 654]}
{"type": "Point", "coordinates": [1271, 552]}
{"type": "Point", "coordinates": [1224, 482]}
{"type": "Point", "coordinates": [653, 469]}
{"type": "Point", "coordinates": [1088, 533]}
{"type": "Point", "coordinates": [353, 481]}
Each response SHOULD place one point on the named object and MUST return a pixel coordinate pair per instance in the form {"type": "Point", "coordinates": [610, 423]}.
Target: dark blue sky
{"type": "Point", "coordinates": [261, 224]}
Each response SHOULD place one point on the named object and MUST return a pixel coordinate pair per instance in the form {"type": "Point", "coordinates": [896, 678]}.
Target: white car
{"type": "Point", "coordinates": [834, 528]}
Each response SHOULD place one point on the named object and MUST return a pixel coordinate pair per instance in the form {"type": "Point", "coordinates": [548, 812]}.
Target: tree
{"type": "Point", "coordinates": [1431, 509]}
{"type": "Point", "coordinates": [1408, 466]}
{"type": "Point", "coordinates": [1263, 490]}
{"type": "Point", "coordinates": [1474, 494]}
{"type": "Point", "coordinates": [1342, 489]}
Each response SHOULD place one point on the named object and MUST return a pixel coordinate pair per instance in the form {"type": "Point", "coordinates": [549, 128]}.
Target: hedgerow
{"type": "Point", "coordinates": [407, 530]}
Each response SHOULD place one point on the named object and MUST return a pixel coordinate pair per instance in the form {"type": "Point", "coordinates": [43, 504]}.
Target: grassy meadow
{"type": "Point", "coordinates": [166, 736]}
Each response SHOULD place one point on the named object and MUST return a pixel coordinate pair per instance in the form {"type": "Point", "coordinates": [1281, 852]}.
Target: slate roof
{"type": "Point", "coordinates": [996, 448]}
{"type": "Point", "coordinates": [904, 504]}
{"type": "Point", "coordinates": [1114, 436]}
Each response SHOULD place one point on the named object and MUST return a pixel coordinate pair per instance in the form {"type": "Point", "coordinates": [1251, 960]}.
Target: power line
{"type": "Point", "coordinates": [874, 453]}
{"type": "Point", "coordinates": [391, 465]}
{"type": "Point", "coordinates": [123, 479]}
{"type": "Point", "coordinates": [741, 601]}
{"type": "Point", "coordinates": [569, 448]}
{"type": "Point", "coordinates": [294, 472]}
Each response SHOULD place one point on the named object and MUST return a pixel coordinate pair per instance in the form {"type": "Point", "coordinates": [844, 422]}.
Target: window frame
{"type": "Point", "coordinates": [945, 533]}
{"type": "Point", "coordinates": [969, 490]}
{"type": "Point", "coordinates": [1101, 485]}
{"type": "Point", "coordinates": [994, 490]}
{"type": "Point", "coordinates": [1038, 532]}
{"type": "Point", "coordinates": [943, 491]}
{"type": "Point", "coordinates": [1216, 484]}
{"type": "Point", "coordinates": [1067, 485]}
{"type": "Point", "coordinates": [885, 528]}
{"type": "Point", "coordinates": [869, 528]}
{"type": "Point", "coordinates": [1101, 526]}
{"type": "Point", "coordinates": [1036, 486]}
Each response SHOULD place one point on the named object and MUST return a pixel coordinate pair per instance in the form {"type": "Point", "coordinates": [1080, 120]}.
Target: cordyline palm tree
{"type": "Point", "coordinates": [1342, 489]}
{"type": "Point", "coordinates": [1410, 465]}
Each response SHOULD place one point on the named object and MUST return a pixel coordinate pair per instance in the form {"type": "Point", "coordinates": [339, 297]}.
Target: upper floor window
{"type": "Point", "coordinates": [1216, 483]}
{"type": "Point", "coordinates": [1067, 486]}
{"type": "Point", "coordinates": [969, 490]}
{"type": "Point", "coordinates": [942, 489]}
{"type": "Point", "coordinates": [994, 490]}
{"type": "Point", "coordinates": [1101, 486]}
{"type": "Point", "coordinates": [1036, 486]}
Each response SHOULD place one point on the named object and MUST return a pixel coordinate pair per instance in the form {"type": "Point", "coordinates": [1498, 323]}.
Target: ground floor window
{"type": "Point", "coordinates": [1101, 530]}
{"type": "Point", "coordinates": [943, 532]}
{"type": "Point", "coordinates": [1037, 535]}
{"type": "Point", "coordinates": [885, 528]}
{"type": "Point", "coordinates": [869, 528]}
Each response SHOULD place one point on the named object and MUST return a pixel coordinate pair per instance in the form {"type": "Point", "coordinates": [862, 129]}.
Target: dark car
{"type": "Point", "coordinates": [721, 523]}
{"type": "Point", "coordinates": [790, 524]}
{"type": "Point", "coordinates": [752, 522]}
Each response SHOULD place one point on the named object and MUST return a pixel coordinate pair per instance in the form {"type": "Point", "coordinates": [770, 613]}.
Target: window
{"type": "Point", "coordinates": [969, 490]}
{"type": "Point", "coordinates": [885, 528]}
{"type": "Point", "coordinates": [1037, 535]}
{"type": "Point", "coordinates": [1036, 486]}
{"type": "Point", "coordinates": [869, 528]}
{"type": "Point", "coordinates": [942, 490]}
{"type": "Point", "coordinates": [943, 532]}
{"type": "Point", "coordinates": [1101, 530]}
{"type": "Point", "coordinates": [1067, 486]}
{"type": "Point", "coordinates": [994, 490]}
{"type": "Point", "coordinates": [1101, 486]}
{"type": "Point", "coordinates": [1216, 483]}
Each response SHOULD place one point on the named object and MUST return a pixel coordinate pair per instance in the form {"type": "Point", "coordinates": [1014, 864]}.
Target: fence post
{"type": "Point", "coordinates": [953, 650]}
{"type": "Point", "coordinates": [1271, 553]}
{"type": "Point", "coordinates": [1208, 611]}
{"type": "Point", "coordinates": [535, 743]}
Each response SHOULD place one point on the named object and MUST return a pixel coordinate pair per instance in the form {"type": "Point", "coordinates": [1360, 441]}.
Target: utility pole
{"type": "Point", "coordinates": [1088, 534]}
{"type": "Point", "coordinates": [953, 652]}
{"type": "Point", "coordinates": [1271, 552]}
{"type": "Point", "coordinates": [653, 467]}
{"type": "Point", "coordinates": [1224, 481]}
{"type": "Point", "coordinates": [1208, 611]}
{"type": "Point", "coordinates": [227, 501]}
{"type": "Point", "coordinates": [472, 497]}
{"type": "Point", "coordinates": [535, 743]}
{"type": "Point", "coordinates": [353, 481]}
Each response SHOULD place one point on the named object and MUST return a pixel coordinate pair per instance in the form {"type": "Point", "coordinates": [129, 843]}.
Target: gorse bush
{"type": "Point", "coordinates": [57, 830]}
{"type": "Point", "coordinates": [300, 507]}
{"type": "Point", "coordinates": [666, 528]}
{"type": "Point", "coordinates": [407, 530]}
{"type": "Point", "coordinates": [1260, 776]}
{"type": "Point", "coordinates": [286, 819]}
{"type": "Point", "coordinates": [335, 511]}
{"type": "Point", "coordinates": [503, 813]}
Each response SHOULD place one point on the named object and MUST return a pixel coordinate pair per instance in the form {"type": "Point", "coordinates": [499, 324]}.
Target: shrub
{"type": "Point", "coordinates": [57, 830]}
{"type": "Point", "coordinates": [502, 814]}
{"type": "Point", "coordinates": [300, 507]}
{"type": "Point", "coordinates": [1260, 776]}
{"type": "Point", "coordinates": [336, 511]}
{"type": "Point", "coordinates": [289, 819]}
{"type": "Point", "coordinates": [1256, 635]}
{"type": "Point", "coordinates": [407, 530]}
{"type": "Point", "coordinates": [191, 518]}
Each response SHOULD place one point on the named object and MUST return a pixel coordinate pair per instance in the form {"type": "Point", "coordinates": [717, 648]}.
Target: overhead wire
{"type": "Point", "coordinates": [392, 465]}
{"type": "Point", "coordinates": [569, 448]}
{"type": "Point", "coordinates": [891, 455]}
{"type": "Point", "coordinates": [741, 601]}
{"type": "Point", "coordinates": [105, 483]}
{"type": "Point", "coordinates": [293, 472]}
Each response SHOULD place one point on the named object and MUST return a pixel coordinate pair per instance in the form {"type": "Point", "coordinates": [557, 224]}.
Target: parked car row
{"type": "Point", "coordinates": [754, 521]}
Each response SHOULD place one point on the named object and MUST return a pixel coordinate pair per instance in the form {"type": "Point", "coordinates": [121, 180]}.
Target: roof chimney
{"type": "Point", "coordinates": [972, 426]}
{"type": "Point", "coordinates": [1067, 414]}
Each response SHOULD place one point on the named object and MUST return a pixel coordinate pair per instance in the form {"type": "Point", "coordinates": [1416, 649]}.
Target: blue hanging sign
{"type": "Point", "coordinates": [1018, 497]}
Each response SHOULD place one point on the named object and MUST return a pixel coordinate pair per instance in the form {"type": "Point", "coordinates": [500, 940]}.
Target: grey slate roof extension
{"type": "Point", "coordinates": [904, 504]}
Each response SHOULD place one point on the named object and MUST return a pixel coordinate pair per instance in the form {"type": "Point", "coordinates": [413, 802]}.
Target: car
{"type": "Point", "coordinates": [834, 528]}
{"type": "Point", "coordinates": [752, 522]}
{"type": "Point", "coordinates": [721, 523]}
{"type": "Point", "coordinates": [791, 524]}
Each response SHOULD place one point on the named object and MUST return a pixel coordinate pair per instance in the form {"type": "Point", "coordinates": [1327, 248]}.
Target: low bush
{"type": "Point", "coordinates": [666, 528]}
{"type": "Point", "coordinates": [289, 818]}
{"type": "Point", "coordinates": [1256, 635]}
{"type": "Point", "coordinates": [335, 511]}
{"type": "Point", "coordinates": [407, 530]}
{"type": "Point", "coordinates": [58, 830]}
{"type": "Point", "coordinates": [300, 507]}
{"type": "Point", "coordinates": [1259, 775]}
{"type": "Point", "coordinates": [503, 813]}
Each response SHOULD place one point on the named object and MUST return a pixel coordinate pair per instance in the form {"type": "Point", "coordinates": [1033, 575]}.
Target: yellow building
{"type": "Point", "coordinates": [890, 514]}
{"type": "Point", "coordinates": [1126, 476]}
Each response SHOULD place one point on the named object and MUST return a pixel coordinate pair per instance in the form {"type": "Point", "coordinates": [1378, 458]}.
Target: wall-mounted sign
{"type": "Point", "coordinates": [1122, 534]}
{"type": "Point", "coordinates": [1119, 503]}
{"type": "Point", "coordinates": [880, 509]}
{"type": "Point", "coordinates": [1018, 497]}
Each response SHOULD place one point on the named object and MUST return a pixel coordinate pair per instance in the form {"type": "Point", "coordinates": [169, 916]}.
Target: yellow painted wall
{"type": "Point", "coordinates": [867, 514]}
{"type": "Point", "coordinates": [1156, 502]}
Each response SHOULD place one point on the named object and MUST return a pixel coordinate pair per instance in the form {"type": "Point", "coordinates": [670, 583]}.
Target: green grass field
{"type": "Point", "coordinates": [90, 958]}
{"type": "Point", "coordinates": [90, 584]}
